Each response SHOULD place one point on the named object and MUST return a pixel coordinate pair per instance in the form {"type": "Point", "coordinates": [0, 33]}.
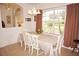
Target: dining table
{"type": "Point", "coordinates": [46, 42]}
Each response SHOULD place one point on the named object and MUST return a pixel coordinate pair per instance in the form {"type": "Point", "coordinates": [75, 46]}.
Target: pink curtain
{"type": "Point", "coordinates": [71, 25]}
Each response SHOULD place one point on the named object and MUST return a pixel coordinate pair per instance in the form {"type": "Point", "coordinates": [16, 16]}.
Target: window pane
{"type": "Point", "coordinates": [53, 21]}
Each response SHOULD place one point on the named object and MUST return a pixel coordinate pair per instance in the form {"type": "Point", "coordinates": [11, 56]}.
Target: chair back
{"type": "Point", "coordinates": [25, 37]}
{"type": "Point", "coordinates": [29, 39]}
{"type": "Point", "coordinates": [35, 41]}
{"type": "Point", "coordinates": [59, 44]}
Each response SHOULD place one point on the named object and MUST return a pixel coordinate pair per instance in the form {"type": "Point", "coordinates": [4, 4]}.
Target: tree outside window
{"type": "Point", "coordinates": [53, 21]}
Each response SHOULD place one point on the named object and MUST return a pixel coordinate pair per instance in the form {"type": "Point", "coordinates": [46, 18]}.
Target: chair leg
{"type": "Point", "coordinates": [51, 51]}
{"type": "Point", "coordinates": [78, 51]}
{"type": "Point", "coordinates": [75, 46]}
{"type": "Point", "coordinates": [21, 43]}
{"type": "Point", "coordinates": [32, 51]}
{"type": "Point", "coordinates": [59, 52]}
{"type": "Point", "coordinates": [56, 53]}
{"type": "Point", "coordinates": [25, 48]}
{"type": "Point", "coordinates": [73, 49]}
{"type": "Point", "coordinates": [45, 52]}
{"type": "Point", "coordinates": [37, 52]}
{"type": "Point", "coordinates": [29, 50]}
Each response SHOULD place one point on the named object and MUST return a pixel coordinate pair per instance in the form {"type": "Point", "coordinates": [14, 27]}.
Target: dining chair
{"type": "Point", "coordinates": [76, 46]}
{"type": "Point", "coordinates": [20, 37]}
{"type": "Point", "coordinates": [57, 48]}
{"type": "Point", "coordinates": [30, 44]}
{"type": "Point", "coordinates": [35, 44]}
{"type": "Point", "coordinates": [25, 40]}
{"type": "Point", "coordinates": [31, 41]}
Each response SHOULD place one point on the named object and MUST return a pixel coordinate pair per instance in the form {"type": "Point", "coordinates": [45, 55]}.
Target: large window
{"type": "Point", "coordinates": [53, 21]}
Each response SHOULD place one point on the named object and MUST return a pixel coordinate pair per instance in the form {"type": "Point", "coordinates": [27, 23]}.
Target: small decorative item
{"type": "Point", "coordinates": [27, 19]}
{"type": "Point", "coordinates": [8, 19]}
{"type": "Point", "coordinates": [19, 25]}
{"type": "Point", "coordinates": [39, 31]}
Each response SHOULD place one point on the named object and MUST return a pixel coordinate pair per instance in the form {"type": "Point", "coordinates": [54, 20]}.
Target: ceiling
{"type": "Point", "coordinates": [43, 5]}
{"type": "Point", "coordinates": [40, 5]}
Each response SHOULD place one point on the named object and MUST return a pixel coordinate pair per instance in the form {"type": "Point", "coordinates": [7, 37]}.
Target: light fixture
{"type": "Point", "coordinates": [8, 8]}
{"type": "Point", "coordinates": [33, 11]}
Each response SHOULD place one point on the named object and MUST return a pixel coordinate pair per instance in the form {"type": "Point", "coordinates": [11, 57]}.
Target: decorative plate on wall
{"type": "Point", "coordinates": [27, 19]}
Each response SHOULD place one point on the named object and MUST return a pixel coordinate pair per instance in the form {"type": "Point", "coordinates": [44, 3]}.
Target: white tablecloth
{"type": "Point", "coordinates": [46, 42]}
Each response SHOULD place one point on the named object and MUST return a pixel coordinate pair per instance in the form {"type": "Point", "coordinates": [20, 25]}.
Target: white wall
{"type": "Point", "coordinates": [8, 36]}
{"type": "Point", "coordinates": [29, 26]}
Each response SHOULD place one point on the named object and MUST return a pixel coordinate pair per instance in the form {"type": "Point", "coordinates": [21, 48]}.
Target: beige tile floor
{"type": "Point", "coordinates": [17, 50]}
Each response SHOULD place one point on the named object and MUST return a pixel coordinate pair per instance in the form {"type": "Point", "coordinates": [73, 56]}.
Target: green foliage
{"type": "Point", "coordinates": [54, 25]}
{"type": "Point", "coordinates": [49, 23]}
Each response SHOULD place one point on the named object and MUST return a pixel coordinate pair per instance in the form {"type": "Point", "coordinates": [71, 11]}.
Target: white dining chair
{"type": "Point", "coordinates": [30, 44]}
{"type": "Point", "coordinates": [35, 44]}
{"type": "Point", "coordinates": [25, 40]}
{"type": "Point", "coordinates": [20, 37]}
{"type": "Point", "coordinates": [57, 48]}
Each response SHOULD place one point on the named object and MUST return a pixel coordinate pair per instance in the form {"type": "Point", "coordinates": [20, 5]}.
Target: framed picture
{"type": "Point", "coordinates": [8, 19]}
{"type": "Point", "coordinates": [27, 19]}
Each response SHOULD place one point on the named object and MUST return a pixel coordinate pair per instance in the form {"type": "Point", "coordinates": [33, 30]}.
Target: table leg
{"type": "Point", "coordinates": [51, 51]}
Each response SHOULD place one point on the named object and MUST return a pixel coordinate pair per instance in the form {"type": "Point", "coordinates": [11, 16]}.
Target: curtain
{"type": "Point", "coordinates": [38, 19]}
{"type": "Point", "coordinates": [71, 25]}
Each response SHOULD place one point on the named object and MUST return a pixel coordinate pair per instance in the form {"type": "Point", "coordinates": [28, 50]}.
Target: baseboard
{"type": "Point", "coordinates": [7, 44]}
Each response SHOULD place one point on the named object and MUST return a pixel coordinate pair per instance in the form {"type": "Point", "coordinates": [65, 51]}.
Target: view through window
{"type": "Point", "coordinates": [53, 21]}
